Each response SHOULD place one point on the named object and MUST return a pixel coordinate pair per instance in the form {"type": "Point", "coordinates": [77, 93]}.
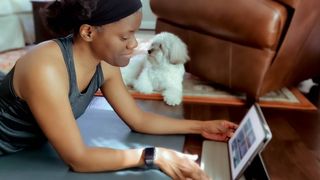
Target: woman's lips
{"type": "Point", "coordinates": [127, 56]}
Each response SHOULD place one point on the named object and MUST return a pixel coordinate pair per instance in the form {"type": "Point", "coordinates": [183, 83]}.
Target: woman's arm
{"type": "Point", "coordinates": [122, 102]}
{"type": "Point", "coordinates": [146, 122]}
{"type": "Point", "coordinates": [44, 85]}
{"type": "Point", "coordinates": [175, 164]}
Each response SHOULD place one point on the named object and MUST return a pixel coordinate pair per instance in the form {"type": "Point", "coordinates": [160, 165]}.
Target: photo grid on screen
{"type": "Point", "coordinates": [242, 143]}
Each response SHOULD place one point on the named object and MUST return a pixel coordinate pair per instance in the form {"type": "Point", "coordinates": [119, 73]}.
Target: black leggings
{"type": "Point", "coordinates": [2, 75]}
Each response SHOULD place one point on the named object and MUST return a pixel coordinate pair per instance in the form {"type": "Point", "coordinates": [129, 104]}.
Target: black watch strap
{"type": "Point", "coordinates": [149, 156]}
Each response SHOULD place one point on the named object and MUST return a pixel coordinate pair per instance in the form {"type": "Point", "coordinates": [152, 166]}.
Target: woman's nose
{"type": "Point", "coordinates": [133, 43]}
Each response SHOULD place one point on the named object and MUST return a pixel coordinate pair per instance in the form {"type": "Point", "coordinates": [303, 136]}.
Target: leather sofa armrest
{"type": "Point", "coordinates": [249, 22]}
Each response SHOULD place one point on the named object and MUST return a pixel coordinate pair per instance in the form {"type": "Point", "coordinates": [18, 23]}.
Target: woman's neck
{"type": "Point", "coordinates": [83, 57]}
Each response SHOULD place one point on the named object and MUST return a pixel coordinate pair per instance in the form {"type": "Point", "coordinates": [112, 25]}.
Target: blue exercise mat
{"type": "Point", "coordinates": [101, 127]}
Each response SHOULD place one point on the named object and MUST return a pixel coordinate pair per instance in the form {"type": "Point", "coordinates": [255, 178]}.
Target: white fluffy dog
{"type": "Point", "coordinates": [160, 70]}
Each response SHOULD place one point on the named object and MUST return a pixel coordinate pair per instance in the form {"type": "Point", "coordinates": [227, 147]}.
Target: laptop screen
{"type": "Point", "coordinates": [248, 140]}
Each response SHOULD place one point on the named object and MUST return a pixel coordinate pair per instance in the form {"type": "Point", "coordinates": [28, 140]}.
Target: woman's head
{"type": "Point", "coordinates": [66, 16]}
{"type": "Point", "coordinates": [107, 25]}
{"type": "Point", "coordinates": [113, 42]}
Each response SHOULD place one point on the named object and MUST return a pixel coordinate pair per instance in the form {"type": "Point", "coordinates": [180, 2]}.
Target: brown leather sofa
{"type": "Point", "coordinates": [251, 46]}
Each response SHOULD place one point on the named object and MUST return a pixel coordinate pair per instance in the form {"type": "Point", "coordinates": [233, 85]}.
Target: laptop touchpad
{"type": "Point", "coordinates": [215, 160]}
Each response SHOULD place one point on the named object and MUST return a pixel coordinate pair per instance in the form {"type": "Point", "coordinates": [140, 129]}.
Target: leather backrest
{"type": "Point", "coordinates": [249, 22]}
{"type": "Point", "coordinates": [291, 3]}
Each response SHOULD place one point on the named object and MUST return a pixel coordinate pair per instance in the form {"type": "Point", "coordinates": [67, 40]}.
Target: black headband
{"type": "Point", "coordinates": [108, 11]}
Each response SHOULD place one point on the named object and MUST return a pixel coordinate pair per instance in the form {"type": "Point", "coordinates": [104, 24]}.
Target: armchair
{"type": "Point", "coordinates": [249, 46]}
{"type": "Point", "coordinates": [16, 24]}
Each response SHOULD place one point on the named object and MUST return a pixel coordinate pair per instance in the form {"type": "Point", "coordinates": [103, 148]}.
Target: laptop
{"type": "Point", "coordinates": [229, 160]}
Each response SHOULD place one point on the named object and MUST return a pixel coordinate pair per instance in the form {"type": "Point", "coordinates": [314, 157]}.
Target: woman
{"type": "Point", "coordinates": [53, 84]}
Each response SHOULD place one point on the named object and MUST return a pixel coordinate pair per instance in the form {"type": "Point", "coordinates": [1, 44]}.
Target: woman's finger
{"type": "Point", "coordinates": [231, 125]}
{"type": "Point", "coordinates": [192, 157]}
{"type": "Point", "coordinates": [169, 171]}
{"type": "Point", "coordinates": [194, 172]}
{"type": "Point", "coordinates": [178, 173]}
{"type": "Point", "coordinates": [230, 134]}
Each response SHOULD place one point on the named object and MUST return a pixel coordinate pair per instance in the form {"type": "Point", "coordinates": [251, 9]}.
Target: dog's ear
{"type": "Point", "coordinates": [178, 52]}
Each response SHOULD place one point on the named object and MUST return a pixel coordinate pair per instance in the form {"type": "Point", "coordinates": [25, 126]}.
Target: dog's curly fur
{"type": "Point", "coordinates": [160, 70]}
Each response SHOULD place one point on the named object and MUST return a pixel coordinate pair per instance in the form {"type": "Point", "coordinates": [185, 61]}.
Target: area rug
{"type": "Point", "coordinates": [196, 90]}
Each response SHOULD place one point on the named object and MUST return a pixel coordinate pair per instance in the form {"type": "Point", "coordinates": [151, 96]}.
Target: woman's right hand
{"type": "Point", "coordinates": [179, 166]}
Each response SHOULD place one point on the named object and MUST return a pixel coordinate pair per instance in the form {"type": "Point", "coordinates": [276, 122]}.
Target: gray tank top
{"type": "Point", "coordinates": [18, 127]}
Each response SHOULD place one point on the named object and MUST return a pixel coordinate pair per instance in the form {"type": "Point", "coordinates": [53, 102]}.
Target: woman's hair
{"type": "Point", "coordinates": [65, 16]}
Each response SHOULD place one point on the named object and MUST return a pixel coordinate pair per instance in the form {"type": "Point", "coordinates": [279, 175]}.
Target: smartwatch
{"type": "Point", "coordinates": [149, 156]}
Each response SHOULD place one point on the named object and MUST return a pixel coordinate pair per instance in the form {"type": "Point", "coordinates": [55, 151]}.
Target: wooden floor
{"type": "Point", "coordinates": [294, 151]}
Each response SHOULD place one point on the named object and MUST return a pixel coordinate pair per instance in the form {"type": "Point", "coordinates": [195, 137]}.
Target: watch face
{"type": "Point", "coordinates": [149, 156]}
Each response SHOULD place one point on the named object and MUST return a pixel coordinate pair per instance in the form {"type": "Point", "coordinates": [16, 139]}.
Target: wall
{"type": "Point", "coordinates": [149, 19]}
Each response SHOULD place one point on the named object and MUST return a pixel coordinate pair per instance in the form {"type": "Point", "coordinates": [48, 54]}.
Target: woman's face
{"type": "Point", "coordinates": [115, 42]}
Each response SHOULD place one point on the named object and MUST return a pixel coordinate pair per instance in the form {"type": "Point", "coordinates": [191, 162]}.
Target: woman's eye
{"type": "Point", "coordinates": [124, 38]}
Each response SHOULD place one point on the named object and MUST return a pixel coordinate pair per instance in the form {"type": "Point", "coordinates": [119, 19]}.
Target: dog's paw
{"type": "Point", "coordinates": [143, 87]}
{"type": "Point", "coordinates": [172, 99]}
{"type": "Point", "coordinates": [144, 90]}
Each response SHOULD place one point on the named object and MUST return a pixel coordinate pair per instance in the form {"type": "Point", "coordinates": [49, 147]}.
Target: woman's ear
{"type": "Point", "coordinates": [86, 32]}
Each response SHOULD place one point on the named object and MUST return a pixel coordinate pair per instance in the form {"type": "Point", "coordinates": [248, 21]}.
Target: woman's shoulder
{"type": "Point", "coordinates": [45, 54]}
{"type": "Point", "coordinates": [45, 51]}
{"type": "Point", "coordinates": [44, 63]}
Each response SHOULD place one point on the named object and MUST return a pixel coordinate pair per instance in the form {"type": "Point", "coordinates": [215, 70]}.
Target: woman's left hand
{"type": "Point", "coordinates": [219, 130]}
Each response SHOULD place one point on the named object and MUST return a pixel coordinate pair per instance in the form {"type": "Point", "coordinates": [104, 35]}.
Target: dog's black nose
{"type": "Point", "coordinates": [149, 51]}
